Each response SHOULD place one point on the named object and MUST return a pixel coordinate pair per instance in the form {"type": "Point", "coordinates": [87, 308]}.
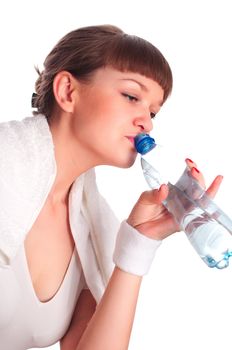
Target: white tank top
{"type": "Point", "coordinates": [25, 321]}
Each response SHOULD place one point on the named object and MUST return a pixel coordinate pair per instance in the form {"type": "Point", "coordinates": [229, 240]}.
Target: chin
{"type": "Point", "coordinates": [120, 159]}
{"type": "Point", "coordinates": [125, 163]}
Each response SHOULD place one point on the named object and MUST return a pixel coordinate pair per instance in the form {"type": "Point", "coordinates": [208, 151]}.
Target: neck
{"type": "Point", "coordinates": [71, 159]}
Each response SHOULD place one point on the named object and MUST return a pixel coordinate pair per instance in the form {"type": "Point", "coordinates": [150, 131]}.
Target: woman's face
{"type": "Point", "coordinates": [111, 110]}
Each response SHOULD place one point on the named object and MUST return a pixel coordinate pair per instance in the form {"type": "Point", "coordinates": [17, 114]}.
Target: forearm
{"type": "Point", "coordinates": [111, 325]}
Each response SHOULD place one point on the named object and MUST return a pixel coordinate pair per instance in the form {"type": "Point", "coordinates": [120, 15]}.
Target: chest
{"type": "Point", "coordinates": [49, 247]}
{"type": "Point", "coordinates": [34, 323]}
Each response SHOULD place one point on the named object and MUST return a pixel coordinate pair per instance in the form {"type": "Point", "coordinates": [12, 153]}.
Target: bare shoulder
{"type": "Point", "coordinates": [85, 308]}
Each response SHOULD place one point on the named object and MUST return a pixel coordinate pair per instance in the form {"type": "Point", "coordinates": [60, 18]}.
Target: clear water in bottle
{"type": "Point", "coordinates": [207, 227]}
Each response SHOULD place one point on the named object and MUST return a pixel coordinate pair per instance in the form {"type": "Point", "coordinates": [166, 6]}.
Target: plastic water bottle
{"type": "Point", "coordinates": [207, 227]}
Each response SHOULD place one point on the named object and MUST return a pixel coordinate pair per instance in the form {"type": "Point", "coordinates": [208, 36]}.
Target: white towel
{"type": "Point", "coordinates": [27, 172]}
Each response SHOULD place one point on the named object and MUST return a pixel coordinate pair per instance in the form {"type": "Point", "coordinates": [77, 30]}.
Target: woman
{"type": "Point", "coordinates": [62, 250]}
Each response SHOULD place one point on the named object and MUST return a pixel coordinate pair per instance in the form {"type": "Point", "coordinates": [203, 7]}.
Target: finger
{"type": "Point", "coordinates": [154, 196]}
{"type": "Point", "coordinates": [214, 187]}
{"type": "Point", "coordinates": [161, 194]}
{"type": "Point", "coordinates": [195, 172]}
{"type": "Point", "coordinates": [190, 163]}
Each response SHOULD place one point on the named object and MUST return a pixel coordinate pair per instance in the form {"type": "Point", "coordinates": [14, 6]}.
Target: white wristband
{"type": "Point", "coordinates": [134, 252]}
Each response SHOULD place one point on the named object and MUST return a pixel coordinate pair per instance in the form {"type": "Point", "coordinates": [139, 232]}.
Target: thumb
{"type": "Point", "coordinates": [154, 196]}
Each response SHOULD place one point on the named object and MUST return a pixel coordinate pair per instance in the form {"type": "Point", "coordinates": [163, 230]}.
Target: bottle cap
{"type": "Point", "coordinates": [144, 143]}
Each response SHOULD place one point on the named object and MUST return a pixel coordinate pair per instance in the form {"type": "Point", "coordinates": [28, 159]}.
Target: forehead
{"type": "Point", "coordinates": [108, 75]}
{"type": "Point", "coordinates": [115, 74]}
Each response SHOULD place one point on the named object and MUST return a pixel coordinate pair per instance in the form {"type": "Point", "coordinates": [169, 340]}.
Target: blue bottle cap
{"type": "Point", "coordinates": [144, 143]}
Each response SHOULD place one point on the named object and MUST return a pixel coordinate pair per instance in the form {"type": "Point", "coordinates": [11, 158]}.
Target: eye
{"type": "Point", "coordinates": [153, 115]}
{"type": "Point", "coordinates": [130, 97]}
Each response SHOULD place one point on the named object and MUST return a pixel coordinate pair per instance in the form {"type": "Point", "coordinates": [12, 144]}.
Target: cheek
{"type": "Point", "coordinates": [100, 119]}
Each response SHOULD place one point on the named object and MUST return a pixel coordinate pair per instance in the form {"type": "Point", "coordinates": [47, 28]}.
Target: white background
{"type": "Point", "coordinates": [183, 304]}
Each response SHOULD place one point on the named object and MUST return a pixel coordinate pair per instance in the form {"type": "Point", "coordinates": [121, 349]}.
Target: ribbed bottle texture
{"type": "Point", "coordinates": [207, 227]}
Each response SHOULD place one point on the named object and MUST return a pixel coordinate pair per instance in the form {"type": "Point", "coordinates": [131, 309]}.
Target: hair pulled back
{"type": "Point", "coordinates": [86, 49]}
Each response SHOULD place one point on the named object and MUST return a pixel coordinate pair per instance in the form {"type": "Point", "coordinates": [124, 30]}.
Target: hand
{"type": "Point", "coordinates": [151, 218]}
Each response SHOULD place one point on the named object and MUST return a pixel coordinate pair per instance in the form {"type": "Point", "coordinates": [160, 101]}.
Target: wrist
{"type": "Point", "coordinates": [134, 252]}
{"type": "Point", "coordinates": [144, 230]}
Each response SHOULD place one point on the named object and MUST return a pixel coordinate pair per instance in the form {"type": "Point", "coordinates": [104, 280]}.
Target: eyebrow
{"type": "Point", "coordinates": [143, 87]}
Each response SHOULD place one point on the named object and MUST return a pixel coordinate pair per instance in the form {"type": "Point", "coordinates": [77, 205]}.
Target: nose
{"type": "Point", "coordinates": [144, 122]}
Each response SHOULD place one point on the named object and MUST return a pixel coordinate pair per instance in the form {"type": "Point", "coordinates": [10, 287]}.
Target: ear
{"type": "Point", "coordinates": [65, 91]}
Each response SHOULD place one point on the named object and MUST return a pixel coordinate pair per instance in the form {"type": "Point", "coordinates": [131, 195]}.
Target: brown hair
{"type": "Point", "coordinates": [86, 49]}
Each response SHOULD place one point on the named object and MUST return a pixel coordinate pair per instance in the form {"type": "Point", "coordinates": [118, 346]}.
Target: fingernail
{"type": "Point", "coordinates": [196, 169]}
{"type": "Point", "coordinates": [189, 160]}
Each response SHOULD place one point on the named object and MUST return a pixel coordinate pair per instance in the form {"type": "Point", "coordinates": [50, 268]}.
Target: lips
{"type": "Point", "coordinates": [131, 139]}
